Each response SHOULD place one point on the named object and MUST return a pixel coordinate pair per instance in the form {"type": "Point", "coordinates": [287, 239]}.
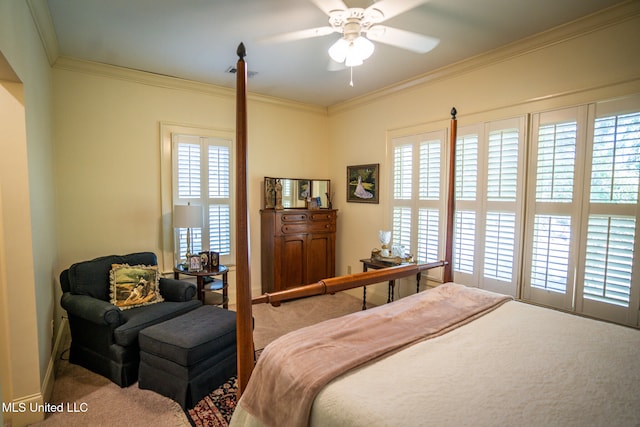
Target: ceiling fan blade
{"type": "Point", "coordinates": [403, 39]}
{"type": "Point", "coordinates": [391, 8]}
{"type": "Point", "coordinates": [328, 5]}
{"type": "Point", "coordinates": [297, 35]}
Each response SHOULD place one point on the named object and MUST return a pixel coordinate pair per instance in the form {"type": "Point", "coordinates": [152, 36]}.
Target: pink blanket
{"type": "Point", "coordinates": [295, 367]}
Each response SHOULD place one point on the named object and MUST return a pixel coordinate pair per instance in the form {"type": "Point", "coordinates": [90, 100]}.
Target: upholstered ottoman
{"type": "Point", "coordinates": [190, 355]}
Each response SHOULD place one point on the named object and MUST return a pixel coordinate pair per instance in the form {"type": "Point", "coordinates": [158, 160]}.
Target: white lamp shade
{"type": "Point", "coordinates": [364, 47]}
{"type": "Point", "coordinates": [188, 216]}
{"type": "Point", "coordinates": [352, 53]}
{"type": "Point", "coordinates": [338, 50]}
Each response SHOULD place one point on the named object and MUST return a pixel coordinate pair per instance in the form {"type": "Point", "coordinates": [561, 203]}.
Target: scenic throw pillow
{"type": "Point", "coordinates": [134, 286]}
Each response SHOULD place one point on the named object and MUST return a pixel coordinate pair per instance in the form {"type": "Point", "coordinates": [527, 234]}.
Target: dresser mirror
{"type": "Point", "coordinates": [297, 193]}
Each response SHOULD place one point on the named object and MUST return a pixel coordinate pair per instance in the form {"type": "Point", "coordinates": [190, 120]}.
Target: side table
{"type": "Point", "coordinates": [368, 263]}
{"type": "Point", "coordinates": [207, 282]}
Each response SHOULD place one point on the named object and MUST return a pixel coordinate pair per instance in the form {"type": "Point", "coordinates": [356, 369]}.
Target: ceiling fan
{"type": "Point", "coordinates": [359, 27]}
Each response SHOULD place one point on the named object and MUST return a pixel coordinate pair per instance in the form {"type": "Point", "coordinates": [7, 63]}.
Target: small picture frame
{"type": "Point", "coordinates": [214, 260]}
{"type": "Point", "coordinates": [205, 260]}
{"type": "Point", "coordinates": [362, 183]}
{"type": "Point", "coordinates": [195, 263]}
{"type": "Point", "coordinates": [314, 203]}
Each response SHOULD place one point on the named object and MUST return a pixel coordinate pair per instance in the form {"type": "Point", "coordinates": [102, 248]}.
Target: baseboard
{"type": "Point", "coordinates": [58, 348]}
{"type": "Point", "coordinates": [24, 411]}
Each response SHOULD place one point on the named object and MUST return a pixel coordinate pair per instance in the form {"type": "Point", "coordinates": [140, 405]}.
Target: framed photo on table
{"type": "Point", "coordinates": [195, 263]}
{"type": "Point", "coordinates": [214, 260]}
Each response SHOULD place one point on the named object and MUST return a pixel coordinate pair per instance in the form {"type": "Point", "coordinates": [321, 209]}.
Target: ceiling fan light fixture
{"type": "Point", "coordinates": [351, 52]}
{"type": "Point", "coordinates": [338, 50]}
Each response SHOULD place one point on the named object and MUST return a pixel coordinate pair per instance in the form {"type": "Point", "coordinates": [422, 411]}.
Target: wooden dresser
{"type": "Point", "coordinates": [298, 247]}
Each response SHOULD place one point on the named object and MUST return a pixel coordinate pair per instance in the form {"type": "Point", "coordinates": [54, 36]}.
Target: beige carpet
{"type": "Point", "coordinates": [107, 404]}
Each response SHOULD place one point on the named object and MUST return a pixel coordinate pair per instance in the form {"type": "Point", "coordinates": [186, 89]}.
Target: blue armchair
{"type": "Point", "coordinates": [104, 339]}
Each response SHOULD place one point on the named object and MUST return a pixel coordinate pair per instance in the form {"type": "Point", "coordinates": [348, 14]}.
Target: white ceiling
{"type": "Point", "coordinates": [197, 39]}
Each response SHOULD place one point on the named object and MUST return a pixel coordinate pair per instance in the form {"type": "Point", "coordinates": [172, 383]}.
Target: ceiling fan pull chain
{"type": "Point", "coordinates": [351, 82]}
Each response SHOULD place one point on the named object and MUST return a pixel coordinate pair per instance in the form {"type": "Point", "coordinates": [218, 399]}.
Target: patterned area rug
{"type": "Point", "coordinates": [215, 410]}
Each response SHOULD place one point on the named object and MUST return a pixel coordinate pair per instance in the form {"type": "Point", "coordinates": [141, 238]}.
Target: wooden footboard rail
{"type": "Point", "coordinates": [343, 283]}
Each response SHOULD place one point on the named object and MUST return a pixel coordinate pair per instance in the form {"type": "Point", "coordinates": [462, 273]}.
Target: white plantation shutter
{"type": "Point", "coordinates": [417, 205]}
{"type": "Point", "coordinates": [502, 218]}
{"type": "Point", "coordinates": [401, 232]}
{"type": "Point", "coordinates": [467, 167]}
{"type": "Point", "coordinates": [616, 155]}
{"type": "Point", "coordinates": [219, 167]}
{"type": "Point", "coordinates": [219, 228]}
{"type": "Point", "coordinates": [502, 183]}
{"type": "Point", "coordinates": [467, 215]}
{"type": "Point", "coordinates": [189, 169]}
{"type": "Point", "coordinates": [499, 247]}
{"type": "Point", "coordinates": [219, 203]}
{"type": "Point", "coordinates": [489, 187]}
{"type": "Point", "coordinates": [202, 176]}
{"type": "Point", "coordinates": [464, 244]}
{"type": "Point", "coordinates": [554, 206]}
{"type": "Point", "coordinates": [551, 250]}
{"type": "Point", "coordinates": [430, 170]}
{"type": "Point", "coordinates": [584, 210]}
{"type": "Point", "coordinates": [609, 259]}
{"type": "Point", "coordinates": [609, 253]}
{"type": "Point", "coordinates": [556, 162]}
{"type": "Point", "coordinates": [428, 235]}
{"type": "Point", "coordinates": [403, 172]}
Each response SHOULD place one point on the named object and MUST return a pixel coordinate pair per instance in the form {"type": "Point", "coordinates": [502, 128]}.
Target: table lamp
{"type": "Point", "coordinates": [187, 216]}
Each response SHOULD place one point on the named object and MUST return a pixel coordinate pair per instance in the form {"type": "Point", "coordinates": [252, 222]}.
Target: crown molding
{"type": "Point", "coordinates": [169, 82]}
{"type": "Point", "coordinates": [44, 24]}
{"type": "Point", "coordinates": [614, 15]}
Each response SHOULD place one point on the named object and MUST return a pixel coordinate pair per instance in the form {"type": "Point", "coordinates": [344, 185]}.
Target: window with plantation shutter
{"type": "Point", "coordinates": [466, 215]}
{"type": "Point", "coordinates": [416, 203]}
{"type": "Point", "coordinates": [608, 288]}
{"type": "Point", "coordinates": [553, 208]}
{"type": "Point", "coordinates": [489, 208]}
{"type": "Point", "coordinates": [584, 210]}
{"type": "Point", "coordinates": [202, 177]}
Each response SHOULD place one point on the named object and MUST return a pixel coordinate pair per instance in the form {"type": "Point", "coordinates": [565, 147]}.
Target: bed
{"type": "Point", "coordinates": [452, 355]}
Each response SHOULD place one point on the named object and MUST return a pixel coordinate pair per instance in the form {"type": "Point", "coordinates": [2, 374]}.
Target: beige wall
{"type": "Point", "coordinates": [27, 246]}
{"type": "Point", "coordinates": [108, 157]}
{"type": "Point", "coordinates": [580, 63]}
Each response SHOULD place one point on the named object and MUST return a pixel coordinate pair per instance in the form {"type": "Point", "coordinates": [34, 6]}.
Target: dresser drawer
{"type": "Point", "coordinates": [322, 216]}
{"type": "Point", "coordinates": [310, 227]}
{"type": "Point", "coordinates": [293, 217]}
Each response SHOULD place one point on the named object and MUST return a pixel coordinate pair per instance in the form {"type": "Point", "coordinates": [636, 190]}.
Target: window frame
{"type": "Point", "coordinates": [167, 129]}
{"type": "Point", "coordinates": [414, 138]}
{"type": "Point", "coordinates": [481, 206]}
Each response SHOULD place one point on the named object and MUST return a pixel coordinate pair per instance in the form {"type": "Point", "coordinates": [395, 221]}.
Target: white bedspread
{"type": "Point", "coordinates": [518, 365]}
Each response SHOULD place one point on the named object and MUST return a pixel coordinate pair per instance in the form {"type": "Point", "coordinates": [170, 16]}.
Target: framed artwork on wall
{"type": "Point", "coordinates": [362, 183]}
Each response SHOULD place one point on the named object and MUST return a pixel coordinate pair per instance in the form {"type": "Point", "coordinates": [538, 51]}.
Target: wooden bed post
{"type": "Point", "coordinates": [244, 327]}
{"type": "Point", "coordinates": [447, 275]}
